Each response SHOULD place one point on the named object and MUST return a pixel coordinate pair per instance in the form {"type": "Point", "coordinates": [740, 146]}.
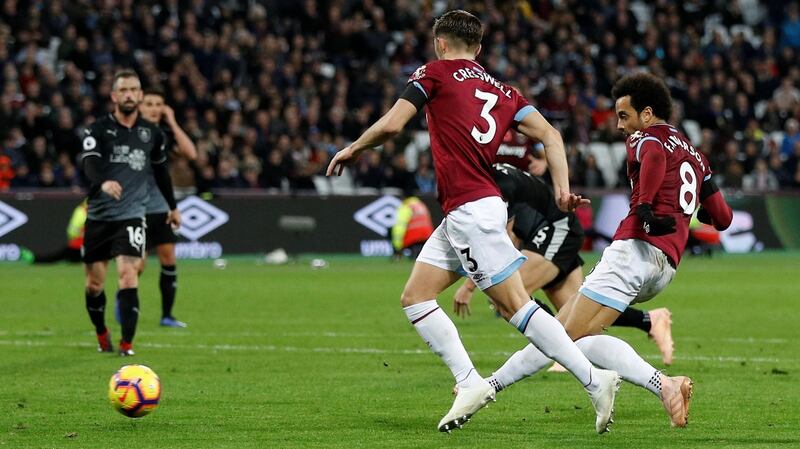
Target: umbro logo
{"type": "Point", "coordinates": [199, 218]}
{"type": "Point", "coordinates": [10, 218]}
{"type": "Point", "coordinates": [379, 215]}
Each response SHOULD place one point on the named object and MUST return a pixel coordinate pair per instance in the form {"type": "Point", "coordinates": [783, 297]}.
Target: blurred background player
{"type": "Point", "coordinates": [468, 113]}
{"type": "Point", "coordinates": [669, 179]}
{"type": "Point", "coordinates": [412, 227]}
{"type": "Point", "coordinates": [117, 149]}
{"type": "Point", "coordinates": [72, 251]}
{"type": "Point", "coordinates": [551, 240]}
{"type": "Point", "coordinates": [159, 233]}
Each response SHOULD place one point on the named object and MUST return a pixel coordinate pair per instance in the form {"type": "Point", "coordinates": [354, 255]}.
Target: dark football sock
{"type": "Point", "coordinates": [168, 283]}
{"type": "Point", "coordinates": [544, 306]}
{"type": "Point", "coordinates": [96, 306]}
{"type": "Point", "coordinates": [634, 318]}
{"type": "Point", "coordinates": [129, 312]}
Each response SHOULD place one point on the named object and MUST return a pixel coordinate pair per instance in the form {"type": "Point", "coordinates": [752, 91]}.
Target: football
{"type": "Point", "coordinates": [134, 390]}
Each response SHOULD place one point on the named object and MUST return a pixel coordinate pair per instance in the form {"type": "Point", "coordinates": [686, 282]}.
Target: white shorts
{"type": "Point", "coordinates": [630, 271]}
{"type": "Point", "coordinates": [472, 241]}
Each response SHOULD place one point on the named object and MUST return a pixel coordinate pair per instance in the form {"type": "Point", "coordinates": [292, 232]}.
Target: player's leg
{"type": "Point", "coordinates": [168, 283]}
{"type": "Point", "coordinates": [629, 271]}
{"type": "Point", "coordinates": [564, 291]}
{"type": "Point", "coordinates": [434, 271]}
{"type": "Point", "coordinates": [98, 236]}
{"type": "Point", "coordinates": [536, 272]}
{"type": "Point", "coordinates": [161, 236]}
{"type": "Point", "coordinates": [656, 323]}
{"type": "Point", "coordinates": [96, 302]}
{"type": "Point", "coordinates": [477, 232]}
{"type": "Point", "coordinates": [549, 337]}
{"type": "Point", "coordinates": [140, 266]}
{"type": "Point", "coordinates": [128, 281]}
{"type": "Point", "coordinates": [128, 248]}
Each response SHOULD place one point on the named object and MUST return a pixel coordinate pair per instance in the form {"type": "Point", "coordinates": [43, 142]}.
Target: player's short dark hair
{"type": "Point", "coordinates": [155, 90]}
{"type": "Point", "coordinates": [124, 73]}
{"type": "Point", "coordinates": [645, 90]}
{"type": "Point", "coordinates": [460, 25]}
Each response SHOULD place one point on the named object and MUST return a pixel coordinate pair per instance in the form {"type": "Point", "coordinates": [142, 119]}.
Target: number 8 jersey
{"type": "Point", "coordinates": [468, 113]}
{"type": "Point", "coordinates": [679, 193]}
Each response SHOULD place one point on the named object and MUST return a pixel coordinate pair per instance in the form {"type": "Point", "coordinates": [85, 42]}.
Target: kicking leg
{"type": "Point", "coordinates": [549, 337]}
{"type": "Point", "coordinates": [587, 319]}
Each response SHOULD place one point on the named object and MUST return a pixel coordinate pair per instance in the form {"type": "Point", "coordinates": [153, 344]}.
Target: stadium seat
{"type": "Point", "coordinates": [322, 184]}
{"type": "Point", "coordinates": [605, 161]}
{"type": "Point", "coordinates": [693, 131]}
{"type": "Point", "coordinates": [342, 185]}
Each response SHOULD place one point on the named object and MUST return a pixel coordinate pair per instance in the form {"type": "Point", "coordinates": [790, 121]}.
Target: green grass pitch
{"type": "Point", "coordinates": [290, 357]}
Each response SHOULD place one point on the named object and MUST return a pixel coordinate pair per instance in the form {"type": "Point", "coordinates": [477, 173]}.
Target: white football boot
{"type": "Point", "coordinates": [468, 401]}
{"type": "Point", "coordinates": [603, 397]}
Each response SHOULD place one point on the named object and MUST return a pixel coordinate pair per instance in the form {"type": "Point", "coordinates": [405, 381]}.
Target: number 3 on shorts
{"type": "Point", "coordinates": [473, 264]}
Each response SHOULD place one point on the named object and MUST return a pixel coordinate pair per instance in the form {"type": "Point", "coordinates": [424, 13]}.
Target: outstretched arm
{"type": "Point", "coordinates": [385, 128]}
{"type": "Point", "coordinates": [535, 126]}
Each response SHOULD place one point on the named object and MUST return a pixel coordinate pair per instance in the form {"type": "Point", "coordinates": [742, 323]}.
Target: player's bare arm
{"type": "Point", "coordinates": [535, 126]}
{"type": "Point", "coordinates": [186, 147]}
{"type": "Point", "coordinates": [384, 129]}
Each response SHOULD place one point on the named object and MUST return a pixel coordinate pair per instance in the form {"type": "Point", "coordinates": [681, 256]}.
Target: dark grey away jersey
{"type": "Point", "coordinates": [156, 204]}
{"type": "Point", "coordinates": [530, 200]}
{"type": "Point", "coordinates": [126, 155]}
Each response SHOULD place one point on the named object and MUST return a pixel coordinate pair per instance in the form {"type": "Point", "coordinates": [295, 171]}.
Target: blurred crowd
{"type": "Point", "coordinates": [270, 89]}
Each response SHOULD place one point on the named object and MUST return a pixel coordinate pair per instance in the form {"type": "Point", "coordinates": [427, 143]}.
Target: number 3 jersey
{"type": "Point", "coordinates": [468, 114]}
{"type": "Point", "coordinates": [679, 193]}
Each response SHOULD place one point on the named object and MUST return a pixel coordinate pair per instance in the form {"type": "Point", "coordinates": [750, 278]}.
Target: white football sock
{"type": "Point", "coordinates": [441, 335]}
{"type": "Point", "coordinates": [523, 363]}
{"type": "Point", "coordinates": [610, 352]}
{"type": "Point", "coordinates": [549, 336]}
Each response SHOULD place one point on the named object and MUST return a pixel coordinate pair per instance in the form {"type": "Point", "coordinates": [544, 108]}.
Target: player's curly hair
{"type": "Point", "coordinates": [461, 25]}
{"type": "Point", "coordinates": [645, 90]}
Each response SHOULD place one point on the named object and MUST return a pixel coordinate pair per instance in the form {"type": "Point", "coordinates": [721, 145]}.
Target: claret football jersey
{"type": "Point", "coordinates": [468, 113]}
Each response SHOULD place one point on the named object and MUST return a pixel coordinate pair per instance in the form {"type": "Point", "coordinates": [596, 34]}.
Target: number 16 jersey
{"type": "Point", "coordinates": [679, 194]}
{"type": "Point", "coordinates": [468, 114]}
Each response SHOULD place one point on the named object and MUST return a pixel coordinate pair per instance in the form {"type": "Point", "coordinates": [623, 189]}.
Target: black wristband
{"type": "Point", "coordinates": [707, 189]}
